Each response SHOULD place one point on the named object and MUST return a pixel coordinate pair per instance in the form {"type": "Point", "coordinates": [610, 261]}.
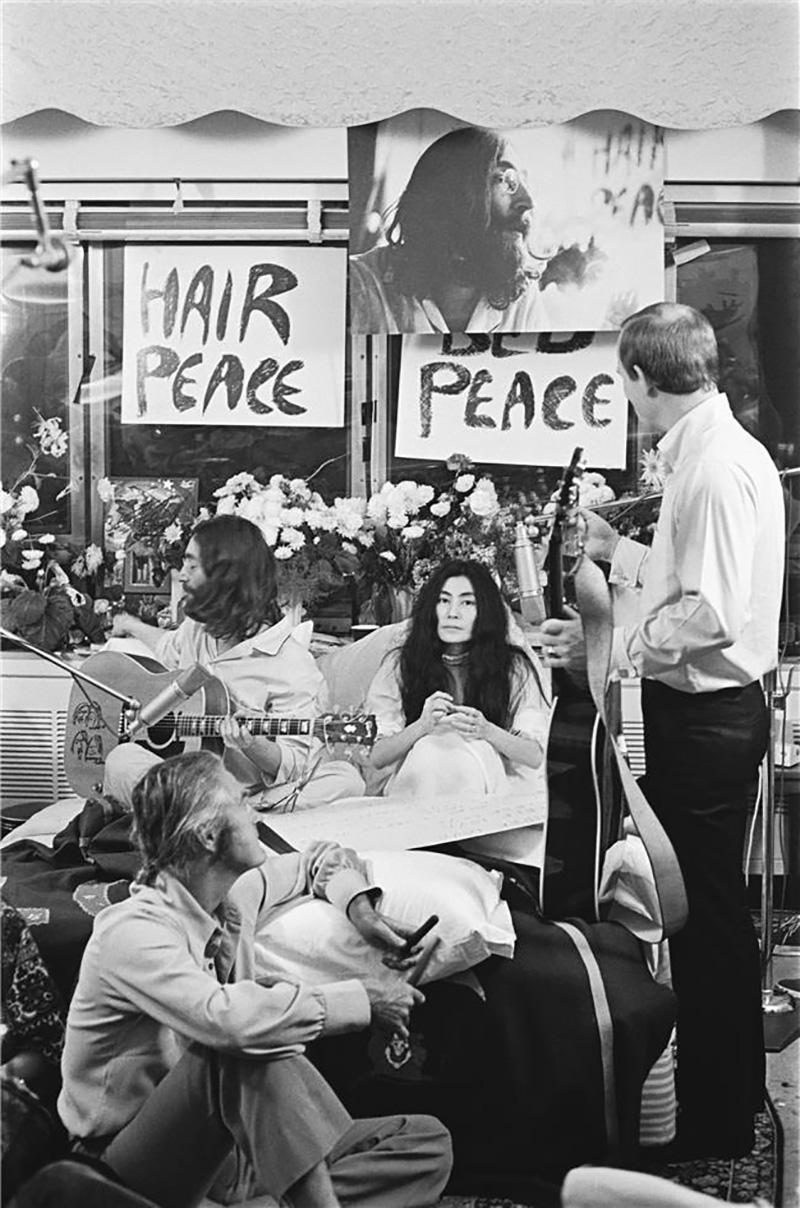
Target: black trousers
{"type": "Point", "coordinates": [703, 752]}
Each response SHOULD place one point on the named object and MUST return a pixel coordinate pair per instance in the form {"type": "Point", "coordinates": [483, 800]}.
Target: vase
{"type": "Point", "coordinates": [391, 603]}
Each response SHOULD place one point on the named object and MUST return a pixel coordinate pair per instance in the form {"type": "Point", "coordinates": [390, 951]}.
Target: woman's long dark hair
{"type": "Point", "coordinates": [239, 596]}
{"type": "Point", "coordinates": [492, 658]}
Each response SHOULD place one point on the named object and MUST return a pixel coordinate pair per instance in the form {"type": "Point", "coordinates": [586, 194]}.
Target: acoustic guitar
{"type": "Point", "coordinates": [97, 722]}
{"type": "Point", "coordinates": [581, 817]}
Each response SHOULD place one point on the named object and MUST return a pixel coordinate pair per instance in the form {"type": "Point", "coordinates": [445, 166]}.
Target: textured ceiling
{"type": "Point", "coordinates": [693, 64]}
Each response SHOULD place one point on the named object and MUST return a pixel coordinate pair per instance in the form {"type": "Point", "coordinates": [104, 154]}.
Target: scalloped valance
{"type": "Point", "coordinates": [688, 64]}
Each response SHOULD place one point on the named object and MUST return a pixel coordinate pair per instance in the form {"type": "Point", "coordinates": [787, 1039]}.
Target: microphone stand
{"type": "Point", "coordinates": [132, 705]}
{"type": "Point", "coordinates": [773, 1001]}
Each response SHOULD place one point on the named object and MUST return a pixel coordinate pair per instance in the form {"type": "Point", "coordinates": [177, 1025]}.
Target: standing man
{"type": "Point", "coordinates": [233, 628]}
{"type": "Point", "coordinates": [456, 257]}
{"type": "Point", "coordinates": [707, 631]}
{"type": "Point", "coordinates": [185, 1074]}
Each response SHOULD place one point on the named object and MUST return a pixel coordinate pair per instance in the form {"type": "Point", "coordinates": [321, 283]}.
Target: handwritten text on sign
{"type": "Point", "coordinates": [513, 399]}
{"type": "Point", "coordinates": [234, 335]}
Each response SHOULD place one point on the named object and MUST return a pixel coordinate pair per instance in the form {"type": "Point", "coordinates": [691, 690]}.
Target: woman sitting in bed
{"type": "Point", "coordinates": [460, 707]}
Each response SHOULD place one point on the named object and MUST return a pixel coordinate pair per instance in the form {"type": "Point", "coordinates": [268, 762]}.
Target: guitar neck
{"type": "Point", "coordinates": [192, 725]}
{"type": "Point", "coordinates": [555, 574]}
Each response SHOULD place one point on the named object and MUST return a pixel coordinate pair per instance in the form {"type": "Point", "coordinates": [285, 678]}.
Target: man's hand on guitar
{"type": "Point", "coordinates": [562, 641]}
{"type": "Point", "coordinates": [598, 538]}
{"type": "Point", "coordinates": [234, 734]}
{"type": "Point", "coordinates": [263, 752]}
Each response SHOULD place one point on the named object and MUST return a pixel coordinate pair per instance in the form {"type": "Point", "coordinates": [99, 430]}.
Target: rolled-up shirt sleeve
{"type": "Point", "coordinates": [696, 603]}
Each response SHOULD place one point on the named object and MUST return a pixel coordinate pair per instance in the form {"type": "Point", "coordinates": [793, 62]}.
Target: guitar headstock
{"type": "Point", "coordinates": [353, 729]}
{"type": "Point", "coordinates": [567, 494]}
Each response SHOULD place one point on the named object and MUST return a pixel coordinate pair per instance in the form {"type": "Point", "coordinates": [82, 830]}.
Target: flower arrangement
{"type": "Point", "coordinates": [411, 527]}
{"type": "Point", "coordinates": [314, 543]}
{"type": "Point", "coordinates": [23, 554]}
{"type": "Point", "coordinates": [41, 601]}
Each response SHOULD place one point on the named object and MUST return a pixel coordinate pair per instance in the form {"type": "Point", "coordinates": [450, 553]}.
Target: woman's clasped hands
{"type": "Point", "coordinates": [440, 712]}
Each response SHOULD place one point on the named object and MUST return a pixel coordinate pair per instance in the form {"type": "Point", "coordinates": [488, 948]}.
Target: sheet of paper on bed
{"type": "Point", "coordinates": [399, 823]}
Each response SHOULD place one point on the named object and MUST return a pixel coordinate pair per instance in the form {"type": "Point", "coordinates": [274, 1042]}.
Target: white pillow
{"type": "Point", "coordinates": [313, 942]}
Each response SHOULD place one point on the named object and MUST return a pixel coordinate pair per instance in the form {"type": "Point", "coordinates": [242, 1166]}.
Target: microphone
{"type": "Point", "coordinates": [531, 596]}
{"type": "Point", "coordinates": [185, 684]}
{"type": "Point", "coordinates": [51, 254]}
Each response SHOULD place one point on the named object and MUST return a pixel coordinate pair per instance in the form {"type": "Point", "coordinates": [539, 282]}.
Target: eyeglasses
{"type": "Point", "coordinates": [508, 179]}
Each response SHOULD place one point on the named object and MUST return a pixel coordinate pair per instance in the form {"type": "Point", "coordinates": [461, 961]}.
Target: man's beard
{"type": "Point", "coordinates": [496, 265]}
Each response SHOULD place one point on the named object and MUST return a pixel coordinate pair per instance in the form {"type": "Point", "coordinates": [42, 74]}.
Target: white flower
{"type": "Point", "coordinates": [94, 558]}
{"type": "Point", "coordinates": [119, 555]}
{"type": "Point", "coordinates": [270, 534]}
{"type": "Point", "coordinates": [46, 539]}
{"type": "Point", "coordinates": [464, 483]}
{"type": "Point", "coordinates": [101, 607]}
{"type": "Point", "coordinates": [283, 552]}
{"type": "Point", "coordinates": [349, 548]}
{"type": "Point", "coordinates": [173, 532]}
{"type": "Point", "coordinates": [293, 538]}
{"type": "Point", "coordinates": [226, 506]}
{"type": "Point", "coordinates": [28, 501]}
{"type": "Point", "coordinates": [235, 485]}
{"type": "Point", "coordinates": [387, 555]}
{"type": "Point", "coordinates": [412, 531]}
{"type": "Point", "coordinates": [52, 439]}
{"type": "Point", "coordinates": [6, 501]}
{"type": "Point", "coordinates": [203, 515]}
{"type": "Point", "coordinates": [652, 472]}
{"type": "Point", "coordinates": [593, 489]}
{"type": "Point", "coordinates": [168, 485]}
{"type": "Point", "coordinates": [291, 517]}
{"type": "Point", "coordinates": [483, 500]}
{"type": "Point", "coordinates": [441, 507]}
{"type": "Point", "coordinates": [397, 520]}
{"type": "Point", "coordinates": [19, 534]}
{"type": "Point", "coordinates": [32, 559]}
{"type": "Point", "coordinates": [105, 489]}
{"type": "Point", "coordinates": [367, 540]}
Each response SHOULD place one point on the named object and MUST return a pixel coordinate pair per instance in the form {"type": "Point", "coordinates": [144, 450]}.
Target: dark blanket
{"type": "Point", "coordinates": [517, 1078]}
{"type": "Point", "coordinates": [58, 891]}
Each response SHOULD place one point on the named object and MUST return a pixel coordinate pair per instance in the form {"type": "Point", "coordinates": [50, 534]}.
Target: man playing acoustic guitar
{"type": "Point", "coordinates": [705, 632]}
{"type": "Point", "coordinates": [234, 629]}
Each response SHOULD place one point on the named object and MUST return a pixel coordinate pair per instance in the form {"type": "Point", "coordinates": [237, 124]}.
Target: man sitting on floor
{"type": "Point", "coordinates": [182, 1071]}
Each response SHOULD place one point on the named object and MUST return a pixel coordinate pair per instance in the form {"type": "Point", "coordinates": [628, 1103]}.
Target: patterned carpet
{"type": "Point", "coordinates": [758, 1176]}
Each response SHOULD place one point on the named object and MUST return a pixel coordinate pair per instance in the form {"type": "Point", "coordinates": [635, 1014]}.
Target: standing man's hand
{"type": "Point", "coordinates": [562, 641]}
{"type": "Point", "coordinates": [598, 537]}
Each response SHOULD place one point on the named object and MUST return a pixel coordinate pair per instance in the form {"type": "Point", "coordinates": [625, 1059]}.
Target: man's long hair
{"type": "Point", "coordinates": [239, 595]}
{"type": "Point", "coordinates": [442, 230]}
{"type": "Point", "coordinates": [173, 803]}
{"type": "Point", "coordinates": [673, 345]}
{"type": "Point", "coordinates": [492, 659]}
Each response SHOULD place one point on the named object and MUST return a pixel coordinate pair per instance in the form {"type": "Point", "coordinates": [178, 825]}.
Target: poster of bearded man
{"type": "Point", "coordinates": [458, 228]}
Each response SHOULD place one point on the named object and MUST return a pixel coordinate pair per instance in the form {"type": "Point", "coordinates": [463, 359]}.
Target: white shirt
{"type": "Point", "coordinates": [269, 673]}
{"type": "Point", "coordinates": [711, 583]}
{"type": "Point", "coordinates": [160, 973]}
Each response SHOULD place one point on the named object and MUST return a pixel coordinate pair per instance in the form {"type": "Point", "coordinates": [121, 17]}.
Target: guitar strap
{"type": "Point", "coordinates": [605, 1029]}
{"type": "Point", "coordinates": [594, 601]}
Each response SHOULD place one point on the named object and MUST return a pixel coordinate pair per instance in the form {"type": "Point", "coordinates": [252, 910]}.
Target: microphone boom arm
{"type": "Point", "coordinates": [132, 705]}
